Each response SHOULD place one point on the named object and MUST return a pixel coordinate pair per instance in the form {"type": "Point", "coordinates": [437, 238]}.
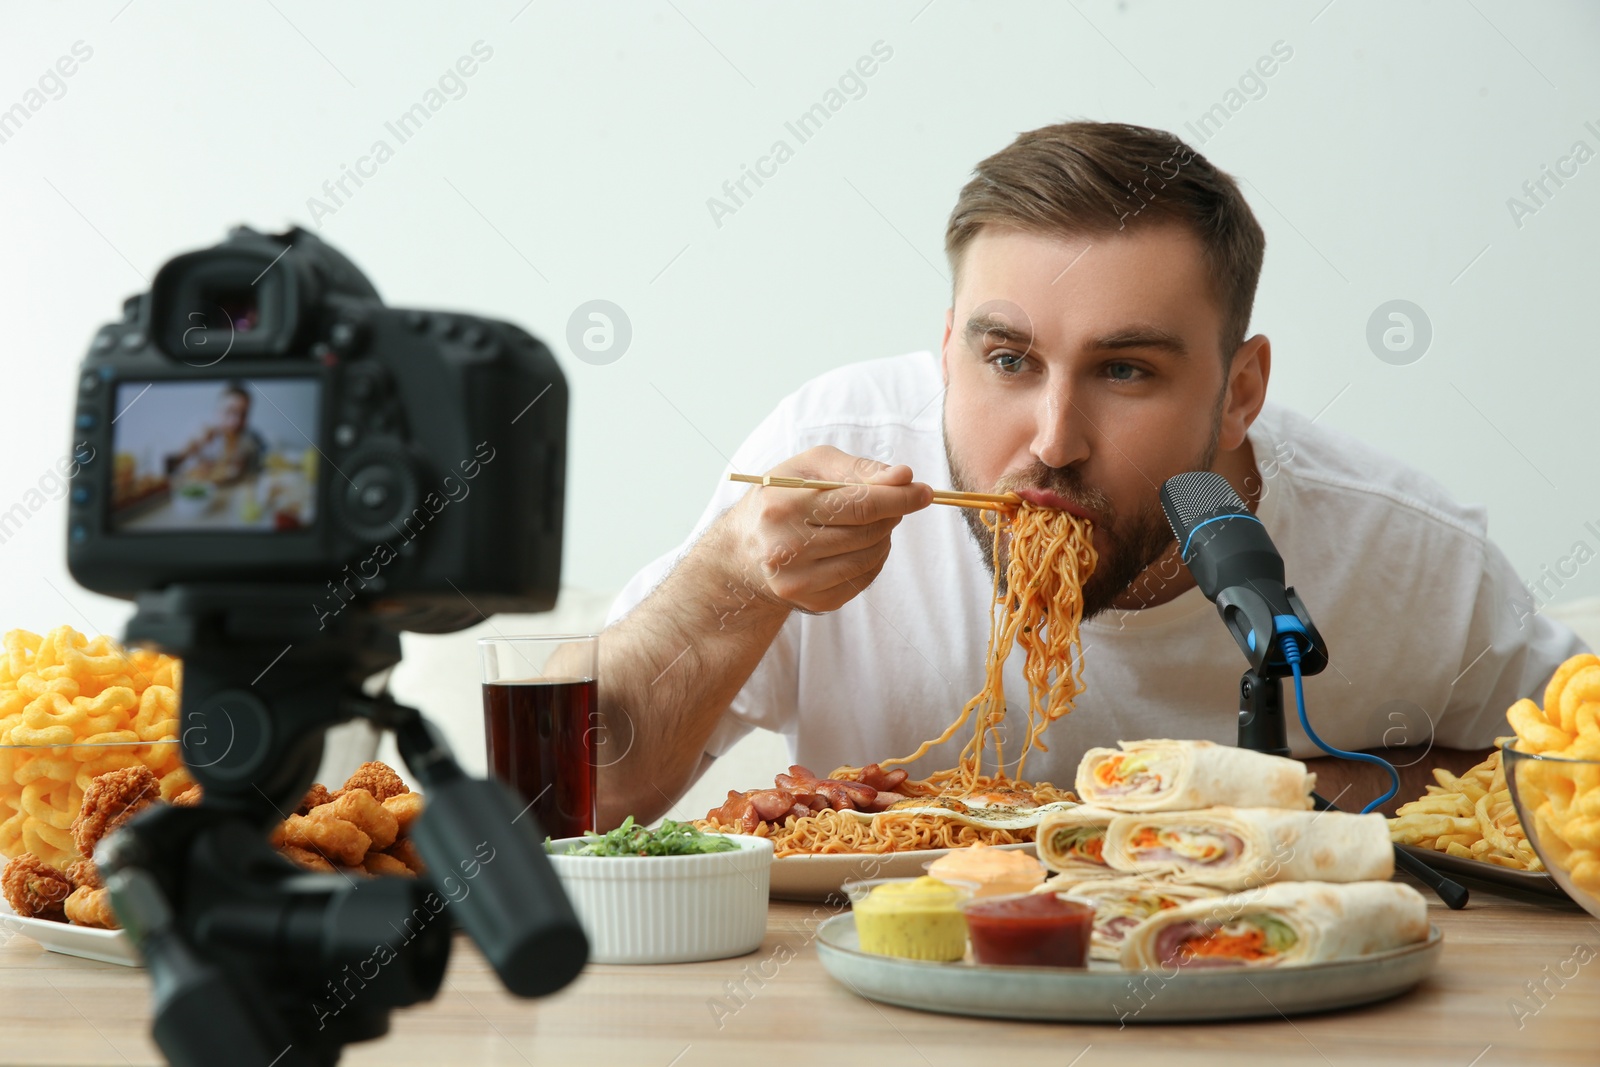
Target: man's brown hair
{"type": "Point", "coordinates": [1100, 178]}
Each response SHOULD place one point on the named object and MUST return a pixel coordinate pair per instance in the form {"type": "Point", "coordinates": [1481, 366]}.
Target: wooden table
{"type": "Point", "coordinates": [778, 1006]}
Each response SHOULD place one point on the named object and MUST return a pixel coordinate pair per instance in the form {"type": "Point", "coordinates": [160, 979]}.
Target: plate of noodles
{"type": "Point", "coordinates": [876, 821]}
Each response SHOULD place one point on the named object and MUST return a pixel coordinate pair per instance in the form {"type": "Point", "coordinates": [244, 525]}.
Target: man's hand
{"type": "Point", "coordinates": [674, 664]}
{"type": "Point", "coordinates": [815, 549]}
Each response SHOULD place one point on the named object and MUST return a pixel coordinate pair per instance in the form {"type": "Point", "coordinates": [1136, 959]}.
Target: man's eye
{"type": "Point", "coordinates": [1006, 362]}
{"type": "Point", "coordinates": [1123, 372]}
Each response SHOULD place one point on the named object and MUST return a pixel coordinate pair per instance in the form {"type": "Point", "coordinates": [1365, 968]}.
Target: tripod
{"type": "Point", "coordinates": [252, 960]}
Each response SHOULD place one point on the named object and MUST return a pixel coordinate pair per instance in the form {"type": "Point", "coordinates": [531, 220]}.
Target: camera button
{"type": "Point", "coordinates": [344, 335]}
{"type": "Point", "coordinates": [87, 420]}
{"type": "Point", "coordinates": [381, 488]}
{"type": "Point", "coordinates": [345, 435]}
{"type": "Point", "coordinates": [104, 341]}
{"type": "Point", "coordinates": [133, 339]}
{"type": "Point", "coordinates": [82, 494]}
{"type": "Point", "coordinates": [89, 383]}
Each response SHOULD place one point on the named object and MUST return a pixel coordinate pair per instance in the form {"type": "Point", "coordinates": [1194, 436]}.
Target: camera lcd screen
{"type": "Point", "coordinates": [229, 455]}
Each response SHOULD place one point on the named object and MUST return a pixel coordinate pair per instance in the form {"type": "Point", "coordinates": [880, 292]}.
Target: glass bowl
{"type": "Point", "coordinates": [1558, 801]}
{"type": "Point", "coordinates": [41, 789]}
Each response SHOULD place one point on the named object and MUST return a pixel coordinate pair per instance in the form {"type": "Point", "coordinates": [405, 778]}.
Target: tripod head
{"type": "Point", "coordinates": [249, 953]}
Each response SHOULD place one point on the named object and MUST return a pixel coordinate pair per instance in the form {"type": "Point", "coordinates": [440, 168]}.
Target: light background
{"type": "Point", "coordinates": [578, 162]}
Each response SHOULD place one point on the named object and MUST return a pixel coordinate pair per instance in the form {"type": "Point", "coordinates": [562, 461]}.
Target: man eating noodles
{"type": "Point", "coordinates": [1098, 344]}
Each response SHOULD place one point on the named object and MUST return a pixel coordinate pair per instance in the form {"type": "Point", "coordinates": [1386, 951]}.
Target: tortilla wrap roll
{"type": "Point", "coordinates": [1076, 873]}
{"type": "Point", "coordinates": [1120, 904]}
{"type": "Point", "coordinates": [1162, 775]}
{"type": "Point", "coordinates": [1236, 848]}
{"type": "Point", "coordinates": [1285, 925]}
{"type": "Point", "coordinates": [1073, 838]}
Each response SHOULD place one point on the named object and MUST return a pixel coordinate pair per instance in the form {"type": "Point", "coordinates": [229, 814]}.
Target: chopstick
{"type": "Point", "coordinates": [984, 501]}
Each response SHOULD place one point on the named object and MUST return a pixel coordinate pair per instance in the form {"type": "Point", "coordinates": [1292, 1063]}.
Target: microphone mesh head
{"type": "Point", "coordinates": [1193, 497]}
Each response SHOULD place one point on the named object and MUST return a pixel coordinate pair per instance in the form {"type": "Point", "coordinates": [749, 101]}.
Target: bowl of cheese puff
{"type": "Point", "coordinates": [1553, 775]}
{"type": "Point", "coordinates": [72, 709]}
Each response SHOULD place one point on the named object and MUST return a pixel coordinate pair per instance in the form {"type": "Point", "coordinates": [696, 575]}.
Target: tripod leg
{"type": "Point", "coordinates": [198, 1011]}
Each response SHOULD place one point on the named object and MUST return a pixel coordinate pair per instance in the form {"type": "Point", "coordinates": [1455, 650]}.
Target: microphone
{"type": "Point", "coordinates": [1238, 568]}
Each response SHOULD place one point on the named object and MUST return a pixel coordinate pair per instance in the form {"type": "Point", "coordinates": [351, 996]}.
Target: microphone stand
{"type": "Point", "coordinates": [1261, 728]}
{"type": "Point", "coordinates": [1237, 567]}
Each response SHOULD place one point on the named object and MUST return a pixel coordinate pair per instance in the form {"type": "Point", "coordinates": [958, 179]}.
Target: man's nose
{"type": "Point", "coordinates": [1061, 431]}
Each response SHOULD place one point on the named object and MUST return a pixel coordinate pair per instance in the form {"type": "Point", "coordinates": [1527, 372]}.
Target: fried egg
{"type": "Point", "coordinates": [977, 810]}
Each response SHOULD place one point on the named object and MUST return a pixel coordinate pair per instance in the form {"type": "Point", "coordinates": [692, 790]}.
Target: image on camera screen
{"type": "Point", "coordinates": [223, 455]}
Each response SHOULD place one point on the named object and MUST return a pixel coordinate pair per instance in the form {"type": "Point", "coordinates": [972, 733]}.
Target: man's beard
{"type": "Point", "coordinates": [1134, 542]}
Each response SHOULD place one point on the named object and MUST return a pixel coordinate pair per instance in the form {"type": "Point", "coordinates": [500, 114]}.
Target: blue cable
{"type": "Point", "coordinates": [1291, 653]}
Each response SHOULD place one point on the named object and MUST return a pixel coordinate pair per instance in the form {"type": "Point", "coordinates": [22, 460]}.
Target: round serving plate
{"type": "Point", "coordinates": [821, 877]}
{"type": "Point", "coordinates": [1105, 993]}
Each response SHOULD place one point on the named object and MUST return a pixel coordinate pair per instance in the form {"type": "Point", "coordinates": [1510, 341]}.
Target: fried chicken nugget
{"type": "Point", "coordinates": [34, 889]}
{"type": "Point", "coordinates": [381, 864]}
{"type": "Point", "coordinates": [302, 857]}
{"type": "Point", "coordinates": [92, 907]}
{"type": "Point", "coordinates": [405, 808]}
{"type": "Point", "coordinates": [379, 779]}
{"type": "Point", "coordinates": [315, 797]}
{"type": "Point", "coordinates": [189, 798]}
{"type": "Point", "coordinates": [406, 852]}
{"type": "Point", "coordinates": [85, 873]}
{"type": "Point", "coordinates": [110, 801]}
{"type": "Point", "coordinates": [339, 842]}
{"type": "Point", "coordinates": [357, 807]}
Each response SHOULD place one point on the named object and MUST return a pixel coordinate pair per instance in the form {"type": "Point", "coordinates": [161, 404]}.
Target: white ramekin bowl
{"type": "Point", "coordinates": [669, 909]}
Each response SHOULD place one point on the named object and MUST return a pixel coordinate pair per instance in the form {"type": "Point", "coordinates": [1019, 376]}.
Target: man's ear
{"type": "Point", "coordinates": [1246, 390]}
{"type": "Point", "coordinates": [944, 345]}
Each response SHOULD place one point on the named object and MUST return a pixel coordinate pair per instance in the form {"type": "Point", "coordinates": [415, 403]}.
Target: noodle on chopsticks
{"type": "Point", "coordinates": [1041, 608]}
{"type": "Point", "coordinates": [1046, 556]}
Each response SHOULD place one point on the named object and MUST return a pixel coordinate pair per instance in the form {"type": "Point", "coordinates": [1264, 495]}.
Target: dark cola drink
{"type": "Point", "coordinates": [540, 744]}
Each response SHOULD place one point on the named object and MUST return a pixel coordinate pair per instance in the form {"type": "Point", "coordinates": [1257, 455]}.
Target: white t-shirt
{"type": "Point", "coordinates": [1428, 628]}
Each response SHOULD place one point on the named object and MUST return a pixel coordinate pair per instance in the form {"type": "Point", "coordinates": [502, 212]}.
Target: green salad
{"type": "Point", "coordinates": [631, 839]}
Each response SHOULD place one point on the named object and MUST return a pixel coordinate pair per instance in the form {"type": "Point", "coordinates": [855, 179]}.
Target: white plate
{"type": "Point", "coordinates": [1105, 993]}
{"type": "Point", "coordinates": [819, 877]}
{"type": "Point", "coordinates": [107, 946]}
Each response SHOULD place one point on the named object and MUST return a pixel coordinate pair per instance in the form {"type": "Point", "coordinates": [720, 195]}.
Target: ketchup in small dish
{"type": "Point", "coordinates": [1030, 930]}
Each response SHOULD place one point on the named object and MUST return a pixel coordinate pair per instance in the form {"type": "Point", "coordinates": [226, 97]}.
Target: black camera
{"type": "Point", "coordinates": [284, 474]}
{"type": "Point", "coordinates": [261, 413]}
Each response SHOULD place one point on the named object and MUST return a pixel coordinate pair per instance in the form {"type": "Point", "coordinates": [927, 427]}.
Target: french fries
{"type": "Point", "coordinates": [1564, 797]}
{"type": "Point", "coordinates": [1471, 817]}
{"type": "Point", "coordinates": [61, 696]}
